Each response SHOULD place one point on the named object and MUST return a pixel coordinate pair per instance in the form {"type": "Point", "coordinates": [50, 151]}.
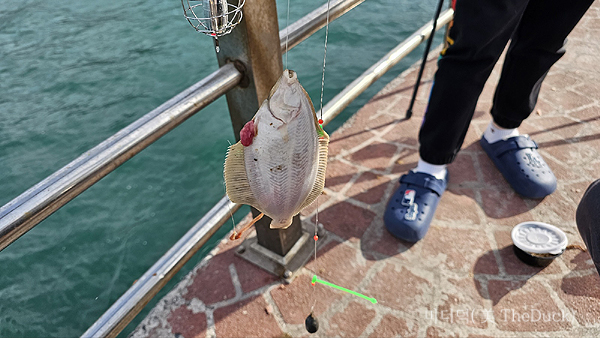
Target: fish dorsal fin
{"type": "Point", "coordinates": [317, 188]}
{"type": "Point", "coordinates": [236, 180]}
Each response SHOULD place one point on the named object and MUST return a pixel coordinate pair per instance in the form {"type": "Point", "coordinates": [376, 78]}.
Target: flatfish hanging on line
{"type": "Point", "coordinates": [278, 167]}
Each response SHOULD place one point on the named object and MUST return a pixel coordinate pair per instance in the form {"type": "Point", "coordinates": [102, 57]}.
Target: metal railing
{"type": "Point", "coordinates": [354, 89]}
{"type": "Point", "coordinates": [139, 294]}
{"type": "Point", "coordinates": [313, 21]}
{"type": "Point", "coordinates": [34, 205]}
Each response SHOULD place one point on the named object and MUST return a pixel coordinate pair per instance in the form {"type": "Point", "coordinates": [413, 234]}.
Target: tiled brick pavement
{"type": "Point", "coordinates": [463, 279]}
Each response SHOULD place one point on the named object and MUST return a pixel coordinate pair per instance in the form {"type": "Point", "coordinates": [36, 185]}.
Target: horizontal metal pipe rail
{"type": "Point", "coordinates": [128, 305]}
{"type": "Point", "coordinates": [34, 205]}
{"type": "Point", "coordinates": [354, 89]}
{"type": "Point", "coordinates": [139, 294]}
{"type": "Point", "coordinates": [313, 21]}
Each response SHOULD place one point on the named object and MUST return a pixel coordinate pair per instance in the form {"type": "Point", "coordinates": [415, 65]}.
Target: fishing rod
{"type": "Point", "coordinates": [409, 111]}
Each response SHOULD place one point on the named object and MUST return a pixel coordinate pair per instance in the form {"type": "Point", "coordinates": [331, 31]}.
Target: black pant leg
{"type": "Point", "coordinates": [480, 32]}
{"type": "Point", "coordinates": [588, 221]}
{"type": "Point", "coordinates": [536, 45]}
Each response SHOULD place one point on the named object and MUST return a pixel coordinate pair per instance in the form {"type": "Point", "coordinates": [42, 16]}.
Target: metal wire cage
{"type": "Point", "coordinates": [213, 17]}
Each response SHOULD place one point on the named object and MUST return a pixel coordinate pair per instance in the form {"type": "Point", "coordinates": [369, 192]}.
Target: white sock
{"type": "Point", "coordinates": [493, 133]}
{"type": "Point", "coordinates": [438, 171]}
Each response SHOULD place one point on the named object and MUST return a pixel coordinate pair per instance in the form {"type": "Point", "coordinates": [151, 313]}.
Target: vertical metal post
{"type": "Point", "coordinates": [254, 47]}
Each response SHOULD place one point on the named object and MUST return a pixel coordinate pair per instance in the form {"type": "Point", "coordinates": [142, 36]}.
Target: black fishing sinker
{"type": "Point", "coordinates": [311, 323]}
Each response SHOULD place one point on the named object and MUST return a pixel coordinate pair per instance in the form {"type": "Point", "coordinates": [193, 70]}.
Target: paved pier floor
{"type": "Point", "coordinates": [463, 279]}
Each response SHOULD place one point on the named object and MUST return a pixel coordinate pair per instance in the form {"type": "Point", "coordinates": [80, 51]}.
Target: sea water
{"type": "Point", "coordinates": [73, 73]}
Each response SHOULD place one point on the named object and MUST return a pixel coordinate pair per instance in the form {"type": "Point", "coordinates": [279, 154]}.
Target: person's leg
{"type": "Point", "coordinates": [588, 221]}
{"type": "Point", "coordinates": [536, 45]}
{"type": "Point", "coordinates": [479, 34]}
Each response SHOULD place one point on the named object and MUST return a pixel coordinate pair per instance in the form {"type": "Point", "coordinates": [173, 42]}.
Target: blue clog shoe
{"type": "Point", "coordinates": [521, 165]}
{"type": "Point", "coordinates": [410, 209]}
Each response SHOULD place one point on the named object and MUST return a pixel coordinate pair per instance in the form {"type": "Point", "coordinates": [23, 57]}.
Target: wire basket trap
{"type": "Point", "coordinates": [213, 17]}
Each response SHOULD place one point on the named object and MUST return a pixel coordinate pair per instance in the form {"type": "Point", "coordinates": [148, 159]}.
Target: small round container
{"type": "Point", "coordinates": [537, 243]}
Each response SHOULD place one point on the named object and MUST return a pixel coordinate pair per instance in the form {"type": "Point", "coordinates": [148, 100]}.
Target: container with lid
{"type": "Point", "coordinates": [537, 243]}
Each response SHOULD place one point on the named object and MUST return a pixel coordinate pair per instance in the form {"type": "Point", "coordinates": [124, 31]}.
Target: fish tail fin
{"type": "Point", "coordinates": [281, 223]}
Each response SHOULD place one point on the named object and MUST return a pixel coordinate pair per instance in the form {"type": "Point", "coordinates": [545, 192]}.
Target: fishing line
{"type": "Point", "coordinates": [324, 61]}
{"type": "Point", "coordinates": [316, 236]}
{"type": "Point", "coordinates": [287, 34]}
{"type": "Point", "coordinates": [230, 211]}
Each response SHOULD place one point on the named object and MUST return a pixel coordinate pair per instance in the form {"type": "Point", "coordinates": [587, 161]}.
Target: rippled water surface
{"type": "Point", "coordinates": [72, 73]}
